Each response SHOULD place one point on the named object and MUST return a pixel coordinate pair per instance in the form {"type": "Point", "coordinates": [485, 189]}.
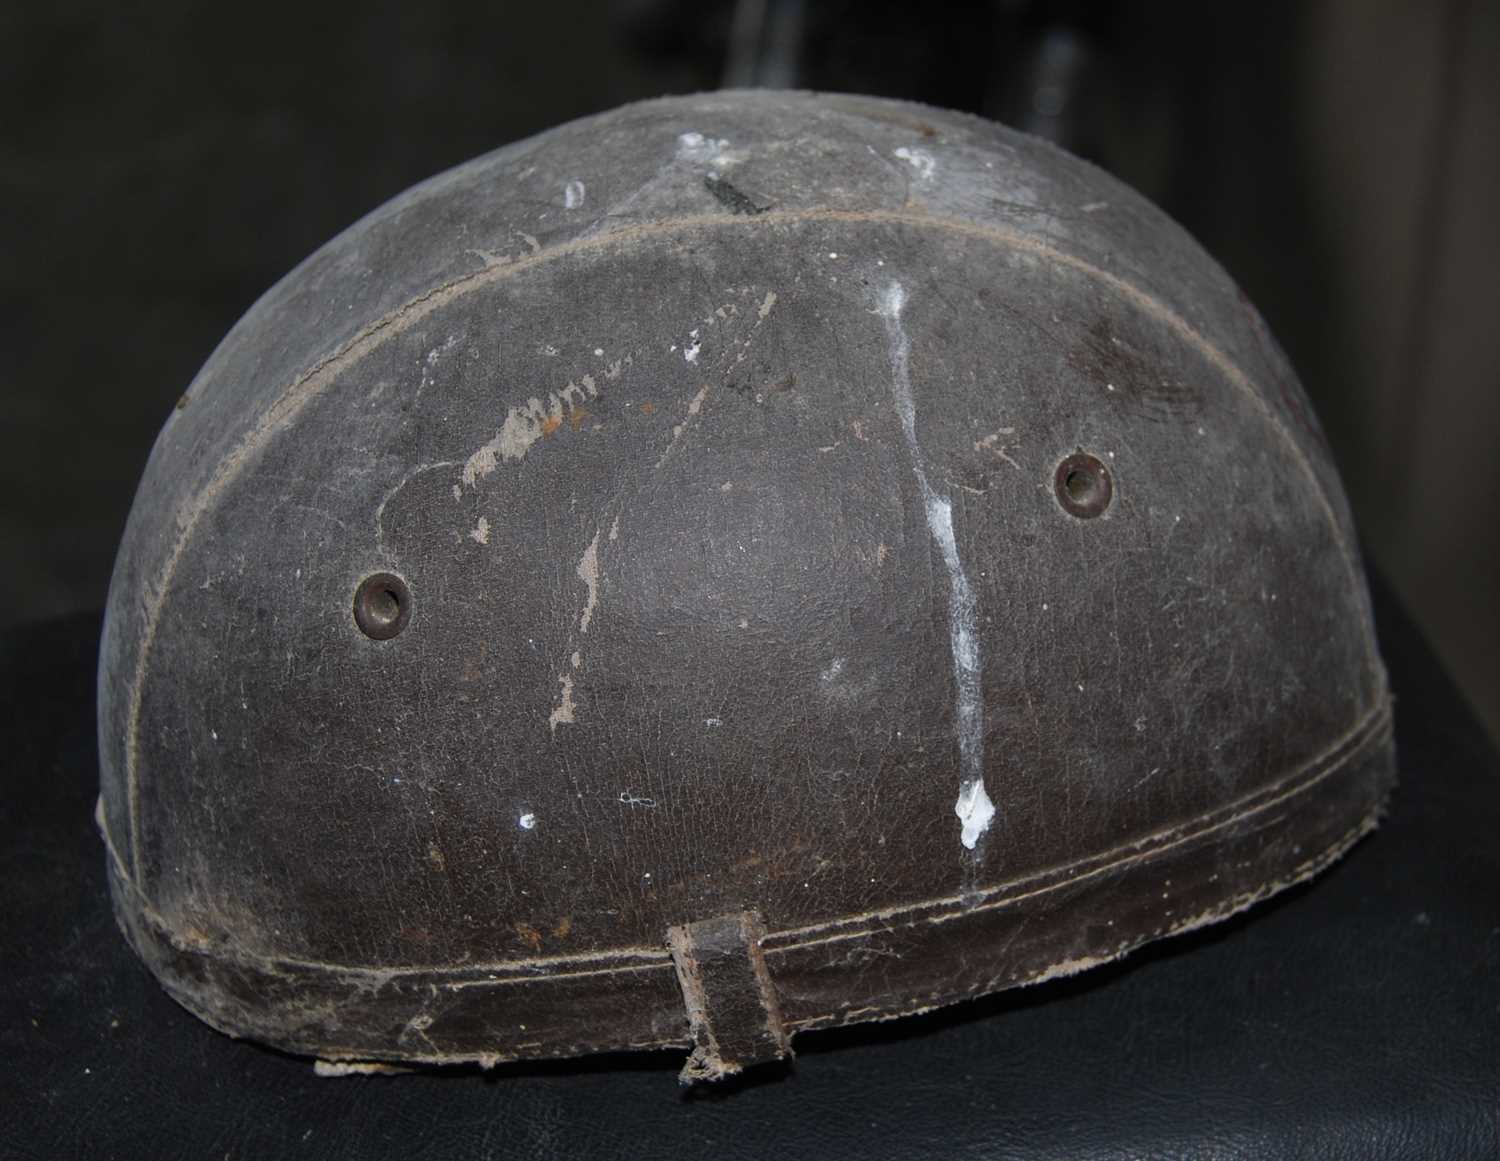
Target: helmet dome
{"type": "Point", "coordinates": [735, 565]}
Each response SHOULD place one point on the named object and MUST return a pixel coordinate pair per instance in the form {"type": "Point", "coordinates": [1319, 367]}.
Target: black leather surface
{"type": "Point", "coordinates": [1355, 1016]}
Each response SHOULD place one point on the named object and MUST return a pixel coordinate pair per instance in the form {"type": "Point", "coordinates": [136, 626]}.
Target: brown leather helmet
{"type": "Point", "coordinates": [735, 565]}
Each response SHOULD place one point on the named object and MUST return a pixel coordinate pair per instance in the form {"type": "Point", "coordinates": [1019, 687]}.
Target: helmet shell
{"type": "Point", "coordinates": [818, 550]}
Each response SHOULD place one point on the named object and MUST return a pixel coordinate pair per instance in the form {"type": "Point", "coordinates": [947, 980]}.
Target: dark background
{"type": "Point", "coordinates": [160, 168]}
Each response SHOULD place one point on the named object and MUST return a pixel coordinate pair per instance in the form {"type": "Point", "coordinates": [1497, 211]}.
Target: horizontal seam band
{"type": "Point", "coordinates": [1370, 729]}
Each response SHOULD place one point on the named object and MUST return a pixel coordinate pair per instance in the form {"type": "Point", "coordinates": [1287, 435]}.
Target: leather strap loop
{"type": "Point", "coordinates": [731, 1003]}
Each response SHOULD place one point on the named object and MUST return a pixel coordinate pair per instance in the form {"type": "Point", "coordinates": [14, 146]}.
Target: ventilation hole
{"type": "Point", "coordinates": [382, 605]}
{"type": "Point", "coordinates": [1084, 487]}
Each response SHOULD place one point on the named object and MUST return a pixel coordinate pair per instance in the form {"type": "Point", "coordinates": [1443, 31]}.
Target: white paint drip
{"type": "Point", "coordinates": [920, 160]}
{"type": "Point", "coordinates": [573, 194]}
{"type": "Point", "coordinates": [974, 809]}
{"type": "Point", "coordinates": [562, 713]}
{"type": "Point", "coordinates": [588, 573]}
{"type": "Point", "coordinates": [566, 710]}
{"type": "Point", "coordinates": [695, 405]}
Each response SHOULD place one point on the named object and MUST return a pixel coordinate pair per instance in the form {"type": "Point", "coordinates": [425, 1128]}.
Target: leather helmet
{"type": "Point", "coordinates": [735, 565]}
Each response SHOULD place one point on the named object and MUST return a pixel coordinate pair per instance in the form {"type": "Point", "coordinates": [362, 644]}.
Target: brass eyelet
{"type": "Point", "coordinates": [382, 605]}
{"type": "Point", "coordinates": [1083, 485]}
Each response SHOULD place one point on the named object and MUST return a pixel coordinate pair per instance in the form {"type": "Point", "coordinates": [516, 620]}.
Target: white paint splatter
{"type": "Point", "coordinates": [480, 533]}
{"type": "Point", "coordinates": [920, 160]}
{"type": "Point", "coordinates": [695, 405]}
{"type": "Point", "coordinates": [975, 812]}
{"type": "Point", "coordinates": [835, 668]}
{"type": "Point", "coordinates": [527, 821]}
{"type": "Point", "coordinates": [562, 713]}
{"type": "Point", "coordinates": [766, 304]}
{"type": "Point", "coordinates": [434, 356]}
{"type": "Point", "coordinates": [330, 1069]}
{"type": "Point", "coordinates": [991, 443]}
{"type": "Point", "coordinates": [690, 351]}
{"type": "Point", "coordinates": [525, 425]}
{"type": "Point", "coordinates": [588, 573]}
{"type": "Point", "coordinates": [573, 194]}
{"type": "Point", "coordinates": [701, 150]}
{"type": "Point", "coordinates": [974, 808]}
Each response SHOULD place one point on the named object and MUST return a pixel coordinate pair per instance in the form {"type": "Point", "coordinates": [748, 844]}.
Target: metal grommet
{"type": "Point", "coordinates": [1083, 486]}
{"type": "Point", "coordinates": [382, 605]}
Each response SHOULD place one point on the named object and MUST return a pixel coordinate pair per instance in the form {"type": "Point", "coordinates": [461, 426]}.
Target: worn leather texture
{"type": "Point", "coordinates": [1355, 1016]}
{"type": "Point", "coordinates": [719, 455]}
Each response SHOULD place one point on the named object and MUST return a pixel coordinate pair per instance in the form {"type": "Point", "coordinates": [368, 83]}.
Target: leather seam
{"type": "Point", "coordinates": [1374, 727]}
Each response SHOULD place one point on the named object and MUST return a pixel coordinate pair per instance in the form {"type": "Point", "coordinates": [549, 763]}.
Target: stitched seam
{"type": "Point", "coordinates": [1356, 743]}
{"type": "Point", "coordinates": [1223, 910]}
{"type": "Point", "coordinates": [1181, 837]}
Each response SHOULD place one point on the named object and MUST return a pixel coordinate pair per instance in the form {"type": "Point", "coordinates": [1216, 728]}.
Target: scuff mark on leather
{"type": "Point", "coordinates": [526, 424]}
{"type": "Point", "coordinates": [735, 200]}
